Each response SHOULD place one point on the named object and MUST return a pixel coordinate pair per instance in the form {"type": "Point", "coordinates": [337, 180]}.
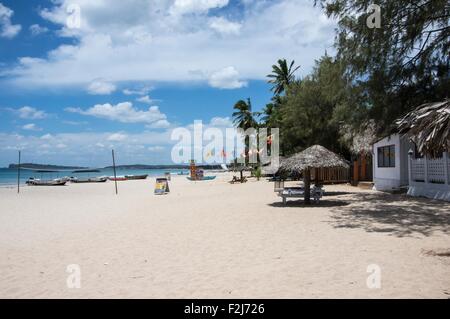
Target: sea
{"type": "Point", "coordinates": [8, 176]}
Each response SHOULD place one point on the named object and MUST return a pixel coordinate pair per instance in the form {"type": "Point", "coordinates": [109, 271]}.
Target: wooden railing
{"type": "Point", "coordinates": [331, 175]}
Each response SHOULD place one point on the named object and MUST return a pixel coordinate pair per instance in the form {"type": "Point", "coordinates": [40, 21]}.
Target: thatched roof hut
{"type": "Point", "coordinates": [428, 126]}
{"type": "Point", "coordinates": [315, 156]}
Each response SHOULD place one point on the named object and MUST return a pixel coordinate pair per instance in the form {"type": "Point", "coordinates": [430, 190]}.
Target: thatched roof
{"type": "Point", "coordinates": [315, 156]}
{"type": "Point", "coordinates": [428, 126]}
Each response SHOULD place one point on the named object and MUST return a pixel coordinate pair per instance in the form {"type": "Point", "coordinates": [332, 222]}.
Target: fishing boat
{"type": "Point", "coordinates": [38, 182]}
{"type": "Point", "coordinates": [117, 178]}
{"type": "Point", "coordinates": [135, 177]}
{"type": "Point", "coordinates": [101, 179]}
{"type": "Point", "coordinates": [204, 178]}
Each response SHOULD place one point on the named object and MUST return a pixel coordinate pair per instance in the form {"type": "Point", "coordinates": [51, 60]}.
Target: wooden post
{"type": "Point", "coordinates": [114, 168]}
{"type": "Point", "coordinates": [355, 173]}
{"type": "Point", "coordinates": [18, 176]}
{"type": "Point", "coordinates": [307, 184]}
{"type": "Point", "coordinates": [446, 170]}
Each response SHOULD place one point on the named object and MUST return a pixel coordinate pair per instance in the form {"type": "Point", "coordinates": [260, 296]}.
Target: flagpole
{"type": "Point", "coordinates": [18, 176]}
{"type": "Point", "coordinates": [114, 167]}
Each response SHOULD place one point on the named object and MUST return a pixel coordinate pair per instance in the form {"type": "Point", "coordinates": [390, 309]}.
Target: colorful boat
{"type": "Point", "coordinates": [135, 177]}
{"type": "Point", "coordinates": [39, 182]}
{"type": "Point", "coordinates": [204, 178]}
{"type": "Point", "coordinates": [117, 178]}
{"type": "Point", "coordinates": [89, 180]}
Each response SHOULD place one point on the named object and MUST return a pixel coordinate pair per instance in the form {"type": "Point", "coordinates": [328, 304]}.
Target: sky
{"type": "Point", "coordinates": [80, 77]}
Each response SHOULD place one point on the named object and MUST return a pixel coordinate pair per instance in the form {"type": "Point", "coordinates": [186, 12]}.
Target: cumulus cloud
{"type": "Point", "coordinates": [30, 113]}
{"type": "Point", "coordinates": [117, 137]}
{"type": "Point", "coordinates": [7, 29]}
{"type": "Point", "coordinates": [196, 6]}
{"type": "Point", "coordinates": [224, 26]}
{"type": "Point", "coordinates": [183, 48]}
{"type": "Point", "coordinates": [141, 91]}
{"type": "Point", "coordinates": [101, 87]}
{"type": "Point", "coordinates": [156, 148]}
{"type": "Point", "coordinates": [31, 127]}
{"type": "Point", "coordinates": [145, 99]}
{"type": "Point", "coordinates": [36, 29]}
{"type": "Point", "coordinates": [122, 112]}
{"type": "Point", "coordinates": [226, 78]}
{"type": "Point", "coordinates": [221, 121]}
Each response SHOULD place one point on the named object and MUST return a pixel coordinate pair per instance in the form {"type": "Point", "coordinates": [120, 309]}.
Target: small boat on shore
{"type": "Point", "coordinates": [117, 178]}
{"type": "Point", "coordinates": [101, 179]}
{"type": "Point", "coordinates": [136, 177]}
{"type": "Point", "coordinates": [204, 178]}
{"type": "Point", "coordinates": [38, 182]}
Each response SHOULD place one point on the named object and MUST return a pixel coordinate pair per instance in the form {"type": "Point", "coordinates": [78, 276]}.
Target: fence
{"type": "Point", "coordinates": [331, 175]}
{"type": "Point", "coordinates": [427, 170]}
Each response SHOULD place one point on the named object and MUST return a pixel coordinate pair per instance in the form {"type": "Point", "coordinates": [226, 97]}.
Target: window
{"type": "Point", "coordinates": [386, 156]}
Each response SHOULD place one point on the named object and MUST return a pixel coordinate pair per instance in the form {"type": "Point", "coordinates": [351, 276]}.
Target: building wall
{"type": "Point", "coordinates": [387, 178]}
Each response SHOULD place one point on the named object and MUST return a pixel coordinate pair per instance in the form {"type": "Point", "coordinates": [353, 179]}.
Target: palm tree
{"type": "Point", "coordinates": [244, 119]}
{"type": "Point", "coordinates": [282, 76]}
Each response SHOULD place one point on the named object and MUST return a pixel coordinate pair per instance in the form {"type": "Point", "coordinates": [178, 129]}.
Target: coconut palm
{"type": "Point", "coordinates": [282, 76]}
{"type": "Point", "coordinates": [243, 117]}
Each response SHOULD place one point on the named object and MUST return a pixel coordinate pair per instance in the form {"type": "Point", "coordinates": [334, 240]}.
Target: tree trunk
{"type": "Point", "coordinates": [307, 185]}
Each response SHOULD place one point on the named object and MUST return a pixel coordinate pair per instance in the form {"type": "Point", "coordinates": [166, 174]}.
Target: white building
{"type": "Point", "coordinates": [390, 162]}
{"type": "Point", "coordinates": [395, 165]}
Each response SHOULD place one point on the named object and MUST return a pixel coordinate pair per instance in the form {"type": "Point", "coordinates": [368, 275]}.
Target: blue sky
{"type": "Point", "coordinates": [124, 74]}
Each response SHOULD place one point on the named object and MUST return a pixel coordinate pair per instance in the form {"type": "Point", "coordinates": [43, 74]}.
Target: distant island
{"type": "Point", "coordinates": [43, 166]}
{"type": "Point", "coordinates": [119, 167]}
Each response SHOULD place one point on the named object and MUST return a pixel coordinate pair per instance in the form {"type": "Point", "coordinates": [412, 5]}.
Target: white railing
{"type": "Point", "coordinates": [427, 170]}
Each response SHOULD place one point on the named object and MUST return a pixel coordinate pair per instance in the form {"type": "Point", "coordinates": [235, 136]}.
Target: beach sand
{"type": "Point", "coordinates": [217, 240]}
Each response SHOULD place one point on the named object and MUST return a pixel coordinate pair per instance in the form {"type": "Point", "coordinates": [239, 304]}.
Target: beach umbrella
{"type": "Point", "coordinates": [313, 157]}
{"type": "Point", "coordinates": [428, 126]}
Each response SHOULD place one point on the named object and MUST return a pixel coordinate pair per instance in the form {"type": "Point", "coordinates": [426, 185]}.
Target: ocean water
{"type": "Point", "coordinates": [9, 176]}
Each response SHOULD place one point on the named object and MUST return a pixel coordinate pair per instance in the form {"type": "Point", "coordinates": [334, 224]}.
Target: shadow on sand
{"type": "Point", "coordinates": [301, 203]}
{"type": "Point", "coordinates": [397, 215]}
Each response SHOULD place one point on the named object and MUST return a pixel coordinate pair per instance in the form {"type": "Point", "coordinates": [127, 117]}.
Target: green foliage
{"type": "Point", "coordinates": [310, 109]}
{"type": "Point", "coordinates": [402, 64]}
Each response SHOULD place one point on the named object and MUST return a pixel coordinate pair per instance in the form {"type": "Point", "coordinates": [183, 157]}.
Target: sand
{"type": "Point", "coordinates": [217, 240]}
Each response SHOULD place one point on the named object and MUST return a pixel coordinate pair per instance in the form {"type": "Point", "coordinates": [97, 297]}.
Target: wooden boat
{"type": "Point", "coordinates": [204, 178]}
{"type": "Point", "coordinates": [53, 182]}
{"type": "Point", "coordinates": [135, 177]}
{"type": "Point", "coordinates": [89, 180]}
{"type": "Point", "coordinates": [118, 178]}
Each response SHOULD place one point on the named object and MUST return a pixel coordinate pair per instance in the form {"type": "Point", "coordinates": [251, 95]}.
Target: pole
{"type": "Point", "coordinates": [18, 176]}
{"type": "Point", "coordinates": [114, 167]}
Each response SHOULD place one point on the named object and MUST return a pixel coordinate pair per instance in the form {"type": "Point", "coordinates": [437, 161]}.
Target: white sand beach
{"type": "Point", "coordinates": [217, 240]}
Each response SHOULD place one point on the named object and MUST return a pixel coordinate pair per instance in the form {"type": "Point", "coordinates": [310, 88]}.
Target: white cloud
{"type": "Point", "coordinates": [227, 78]}
{"type": "Point", "coordinates": [46, 137]}
{"type": "Point", "coordinates": [30, 113]}
{"type": "Point", "coordinates": [179, 48]}
{"type": "Point", "coordinates": [145, 99]}
{"type": "Point", "coordinates": [117, 137]}
{"type": "Point", "coordinates": [101, 87]}
{"type": "Point", "coordinates": [7, 29]}
{"type": "Point", "coordinates": [36, 29]}
{"type": "Point", "coordinates": [221, 121]}
{"type": "Point", "coordinates": [31, 127]}
{"type": "Point", "coordinates": [196, 6]}
{"type": "Point", "coordinates": [224, 26]}
{"type": "Point", "coordinates": [122, 112]}
{"type": "Point", "coordinates": [159, 124]}
{"type": "Point", "coordinates": [142, 91]}
{"type": "Point", "coordinates": [156, 148]}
